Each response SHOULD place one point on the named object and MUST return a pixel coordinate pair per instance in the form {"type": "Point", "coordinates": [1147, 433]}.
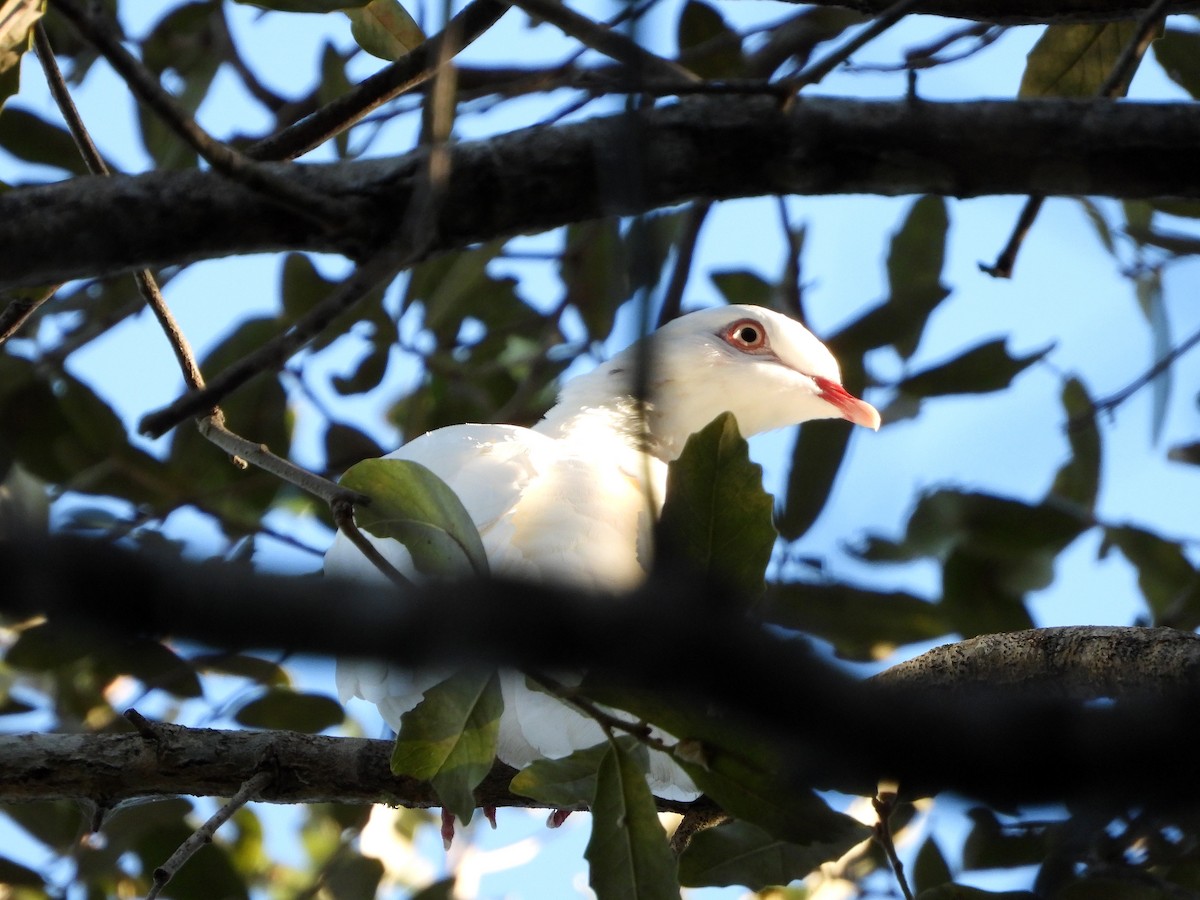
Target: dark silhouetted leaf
{"type": "Point", "coordinates": [1167, 578]}
{"type": "Point", "coordinates": [35, 140]}
{"type": "Point", "coordinates": [861, 624]}
{"type": "Point", "coordinates": [930, 869]}
{"type": "Point", "coordinates": [990, 845]}
{"type": "Point", "coordinates": [291, 711]}
{"type": "Point", "coordinates": [1178, 52]}
{"type": "Point", "coordinates": [413, 506]}
{"type": "Point", "coordinates": [595, 272]}
{"type": "Point", "coordinates": [816, 457]}
{"type": "Point", "coordinates": [707, 44]}
{"type": "Point", "coordinates": [740, 853]}
{"type": "Point", "coordinates": [627, 853]}
{"type": "Point", "coordinates": [986, 367]}
{"type": "Point", "coordinates": [717, 516]}
{"type": "Point", "coordinates": [1078, 480]}
{"type": "Point", "coordinates": [743, 286]}
{"type": "Point", "coordinates": [1185, 453]}
{"type": "Point", "coordinates": [346, 445]}
{"type": "Point", "coordinates": [262, 671]}
{"type": "Point", "coordinates": [449, 738]}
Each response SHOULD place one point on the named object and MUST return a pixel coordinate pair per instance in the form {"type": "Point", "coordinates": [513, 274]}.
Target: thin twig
{"type": "Point", "coordinates": [1114, 86]}
{"type": "Point", "coordinates": [403, 75]}
{"type": "Point", "coordinates": [816, 71]}
{"type": "Point", "coordinates": [609, 722]}
{"type": "Point", "coordinates": [204, 834]}
{"type": "Point", "coordinates": [1112, 401]}
{"type": "Point", "coordinates": [884, 802]}
{"type": "Point", "coordinates": [259, 454]}
{"type": "Point", "coordinates": [1117, 82]}
{"type": "Point", "coordinates": [1003, 266]}
{"type": "Point", "coordinates": [274, 353]}
{"type": "Point", "coordinates": [605, 40]}
{"type": "Point", "coordinates": [19, 309]}
{"type": "Point", "coordinates": [327, 211]}
{"type": "Point", "coordinates": [343, 517]}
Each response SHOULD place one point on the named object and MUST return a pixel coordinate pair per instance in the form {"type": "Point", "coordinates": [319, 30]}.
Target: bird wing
{"type": "Point", "coordinates": [547, 510]}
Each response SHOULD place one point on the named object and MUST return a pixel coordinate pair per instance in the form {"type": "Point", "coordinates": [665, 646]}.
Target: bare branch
{"type": "Point", "coordinates": [717, 147]}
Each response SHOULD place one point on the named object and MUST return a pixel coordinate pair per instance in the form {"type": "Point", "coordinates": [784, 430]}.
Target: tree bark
{"type": "Point", "coordinates": [1019, 12]}
{"type": "Point", "coordinates": [543, 177]}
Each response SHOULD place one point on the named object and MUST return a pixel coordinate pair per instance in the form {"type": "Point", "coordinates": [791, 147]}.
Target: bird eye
{"type": "Point", "coordinates": [747, 335]}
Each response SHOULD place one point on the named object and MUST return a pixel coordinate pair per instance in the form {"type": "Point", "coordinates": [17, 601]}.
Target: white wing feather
{"type": "Point", "coordinates": [547, 509]}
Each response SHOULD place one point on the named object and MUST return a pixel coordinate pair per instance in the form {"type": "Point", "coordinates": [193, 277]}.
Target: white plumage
{"type": "Point", "coordinates": [572, 500]}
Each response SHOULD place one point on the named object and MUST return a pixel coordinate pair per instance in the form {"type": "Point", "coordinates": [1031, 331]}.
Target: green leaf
{"type": "Point", "coordinates": [816, 458]}
{"type": "Point", "coordinates": [449, 738]}
{"type": "Point", "coordinates": [413, 506]}
{"type": "Point", "coordinates": [627, 853]}
{"type": "Point", "coordinates": [989, 845]}
{"type": "Point", "coordinates": [287, 710]}
{"type": "Point", "coordinates": [1166, 577]}
{"type": "Point", "coordinates": [571, 780]}
{"type": "Point", "coordinates": [914, 267]}
{"type": "Point", "coordinates": [1149, 288]}
{"type": "Point", "coordinates": [595, 272]}
{"type": "Point", "coordinates": [741, 853]}
{"type": "Point", "coordinates": [861, 624]}
{"type": "Point", "coordinates": [1178, 52]}
{"type": "Point", "coordinates": [930, 869]}
{"type": "Point", "coordinates": [15, 875]}
{"type": "Point", "coordinates": [35, 140]}
{"type": "Point", "coordinates": [1078, 479]}
{"type": "Point", "coordinates": [1074, 60]}
{"type": "Point", "coordinates": [707, 44]}
{"type": "Point", "coordinates": [16, 36]}
{"type": "Point", "coordinates": [982, 369]}
{"type": "Point", "coordinates": [385, 29]}
{"type": "Point", "coordinates": [744, 773]}
{"type": "Point", "coordinates": [717, 516]}
{"type": "Point", "coordinates": [743, 286]}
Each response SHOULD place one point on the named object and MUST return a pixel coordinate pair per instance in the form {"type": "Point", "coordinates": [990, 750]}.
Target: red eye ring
{"type": "Point", "coordinates": [747, 335]}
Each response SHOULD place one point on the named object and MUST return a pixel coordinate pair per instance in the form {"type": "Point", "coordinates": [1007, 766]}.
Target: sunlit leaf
{"type": "Point", "coordinates": [740, 853]}
{"type": "Point", "coordinates": [291, 711]}
{"type": "Point", "coordinates": [413, 506]}
{"type": "Point", "coordinates": [1073, 60]}
{"type": "Point", "coordinates": [17, 18]}
{"type": "Point", "coordinates": [384, 29]}
{"type": "Point", "coordinates": [717, 516]}
{"type": "Point", "coordinates": [449, 738]}
{"type": "Point", "coordinates": [627, 853]}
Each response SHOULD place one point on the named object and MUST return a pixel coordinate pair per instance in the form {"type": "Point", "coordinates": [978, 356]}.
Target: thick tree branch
{"type": "Point", "coordinates": [1021, 12]}
{"type": "Point", "coordinates": [1002, 743]}
{"type": "Point", "coordinates": [205, 762]}
{"type": "Point", "coordinates": [547, 176]}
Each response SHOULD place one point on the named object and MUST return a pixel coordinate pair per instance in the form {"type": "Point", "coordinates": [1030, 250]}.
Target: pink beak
{"type": "Point", "coordinates": [850, 407]}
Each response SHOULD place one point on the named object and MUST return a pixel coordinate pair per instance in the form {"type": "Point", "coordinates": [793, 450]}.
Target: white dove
{"type": "Point", "coordinates": [572, 500]}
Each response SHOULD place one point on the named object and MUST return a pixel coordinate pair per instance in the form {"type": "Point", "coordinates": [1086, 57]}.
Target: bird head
{"type": "Point", "coordinates": [765, 368]}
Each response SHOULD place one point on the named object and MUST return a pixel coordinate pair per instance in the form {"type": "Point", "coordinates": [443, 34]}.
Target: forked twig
{"type": "Point", "coordinates": [204, 834]}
